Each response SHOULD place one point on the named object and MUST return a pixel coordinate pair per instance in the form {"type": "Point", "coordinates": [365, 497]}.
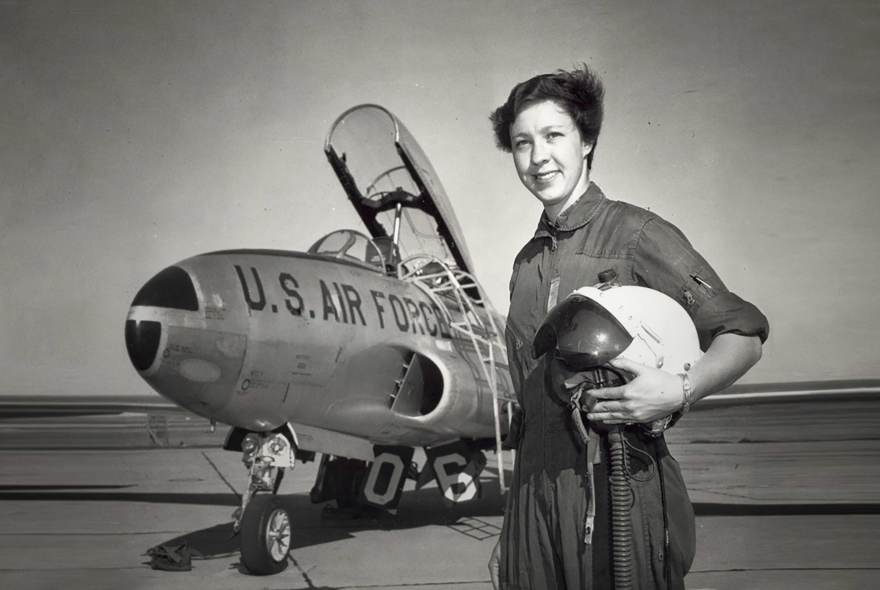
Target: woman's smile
{"type": "Point", "coordinates": [546, 177]}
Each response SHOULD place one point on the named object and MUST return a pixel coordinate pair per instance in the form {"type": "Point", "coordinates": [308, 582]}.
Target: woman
{"type": "Point", "coordinates": [550, 123]}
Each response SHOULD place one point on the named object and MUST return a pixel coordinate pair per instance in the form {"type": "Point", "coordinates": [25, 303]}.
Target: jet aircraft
{"type": "Point", "coordinates": [361, 349]}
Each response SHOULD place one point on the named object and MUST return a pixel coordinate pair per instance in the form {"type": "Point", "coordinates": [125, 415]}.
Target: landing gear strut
{"type": "Point", "coordinates": [262, 522]}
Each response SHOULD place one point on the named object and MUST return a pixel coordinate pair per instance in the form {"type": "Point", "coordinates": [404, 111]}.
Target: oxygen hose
{"type": "Point", "coordinates": [621, 530]}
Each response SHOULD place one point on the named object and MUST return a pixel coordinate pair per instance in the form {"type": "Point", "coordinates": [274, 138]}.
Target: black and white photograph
{"type": "Point", "coordinates": [428, 295]}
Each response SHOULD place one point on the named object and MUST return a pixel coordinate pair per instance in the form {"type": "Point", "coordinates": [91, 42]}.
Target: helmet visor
{"type": "Point", "coordinates": [584, 334]}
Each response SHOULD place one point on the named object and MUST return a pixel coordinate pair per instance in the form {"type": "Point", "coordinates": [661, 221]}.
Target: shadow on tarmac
{"type": "Point", "coordinates": [420, 507]}
{"type": "Point", "coordinates": [313, 524]}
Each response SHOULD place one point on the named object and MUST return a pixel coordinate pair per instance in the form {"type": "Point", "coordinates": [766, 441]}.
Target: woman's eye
{"type": "Point", "coordinates": [554, 135]}
{"type": "Point", "coordinates": [520, 144]}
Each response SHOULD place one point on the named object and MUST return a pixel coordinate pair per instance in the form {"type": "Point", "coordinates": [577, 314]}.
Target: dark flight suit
{"type": "Point", "coordinates": [542, 541]}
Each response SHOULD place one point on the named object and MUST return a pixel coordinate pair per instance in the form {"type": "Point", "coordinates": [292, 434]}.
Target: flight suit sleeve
{"type": "Point", "coordinates": [515, 350]}
{"type": "Point", "coordinates": [665, 260]}
{"type": "Point", "coordinates": [514, 360]}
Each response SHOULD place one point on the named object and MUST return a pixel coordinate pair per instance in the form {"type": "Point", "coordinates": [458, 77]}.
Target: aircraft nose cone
{"type": "Point", "coordinates": [172, 288]}
{"type": "Point", "coordinates": [142, 342]}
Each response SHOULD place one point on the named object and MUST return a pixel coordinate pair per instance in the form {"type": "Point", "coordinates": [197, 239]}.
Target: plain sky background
{"type": "Point", "coordinates": [135, 134]}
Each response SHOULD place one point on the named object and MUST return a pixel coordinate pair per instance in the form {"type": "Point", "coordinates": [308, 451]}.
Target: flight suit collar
{"type": "Point", "coordinates": [575, 217]}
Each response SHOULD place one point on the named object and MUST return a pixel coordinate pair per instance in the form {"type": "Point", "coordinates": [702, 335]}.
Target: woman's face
{"type": "Point", "coordinates": [549, 155]}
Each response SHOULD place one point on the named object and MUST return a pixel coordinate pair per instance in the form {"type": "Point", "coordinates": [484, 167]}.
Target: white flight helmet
{"type": "Point", "coordinates": [593, 326]}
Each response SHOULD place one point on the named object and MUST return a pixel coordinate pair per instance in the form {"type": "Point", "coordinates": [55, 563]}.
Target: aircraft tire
{"type": "Point", "coordinates": [265, 535]}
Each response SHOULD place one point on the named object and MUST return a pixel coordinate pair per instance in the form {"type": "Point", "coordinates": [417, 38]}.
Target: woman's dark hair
{"type": "Point", "coordinates": [579, 92]}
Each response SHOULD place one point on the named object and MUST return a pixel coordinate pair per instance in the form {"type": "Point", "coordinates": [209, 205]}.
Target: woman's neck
{"type": "Point", "coordinates": [556, 209]}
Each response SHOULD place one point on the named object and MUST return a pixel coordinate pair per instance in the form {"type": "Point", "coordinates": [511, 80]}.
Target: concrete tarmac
{"type": "Point", "coordinates": [773, 512]}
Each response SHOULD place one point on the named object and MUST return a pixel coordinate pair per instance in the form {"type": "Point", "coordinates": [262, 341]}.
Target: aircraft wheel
{"type": "Point", "coordinates": [265, 535]}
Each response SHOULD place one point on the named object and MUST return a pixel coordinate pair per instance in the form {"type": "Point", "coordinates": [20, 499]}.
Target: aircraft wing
{"type": "Point", "coordinates": [381, 167]}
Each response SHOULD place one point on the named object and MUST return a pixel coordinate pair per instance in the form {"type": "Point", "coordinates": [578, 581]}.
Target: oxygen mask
{"type": "Point", "coordinates": [571, 386]}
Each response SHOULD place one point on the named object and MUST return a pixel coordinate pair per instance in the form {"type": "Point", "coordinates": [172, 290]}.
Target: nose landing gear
{"type": "Point", "coordinates": [262, 522]}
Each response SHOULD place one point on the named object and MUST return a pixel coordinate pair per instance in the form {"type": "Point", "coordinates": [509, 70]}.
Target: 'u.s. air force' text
{"type": "Point", "coordinates": [343, 303]}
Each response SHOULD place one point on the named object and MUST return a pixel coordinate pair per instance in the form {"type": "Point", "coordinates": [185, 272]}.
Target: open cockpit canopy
{"type": "Point", "coordinates": [393, 186]}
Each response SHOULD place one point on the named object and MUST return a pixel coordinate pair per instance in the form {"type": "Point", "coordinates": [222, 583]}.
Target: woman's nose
{"type": "Point", "coordinates": [539, 153]}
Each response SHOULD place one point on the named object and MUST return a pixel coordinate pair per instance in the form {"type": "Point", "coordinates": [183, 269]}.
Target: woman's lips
{"type": "Point", "coordinates": [545, 176]}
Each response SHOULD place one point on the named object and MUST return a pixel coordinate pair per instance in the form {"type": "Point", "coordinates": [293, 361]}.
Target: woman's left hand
{"type": "Point", "coordinates": [651, 395]}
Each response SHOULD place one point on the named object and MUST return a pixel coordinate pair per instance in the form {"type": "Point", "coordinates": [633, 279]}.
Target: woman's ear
{"type": "Point", "coordinates": [586, 149]}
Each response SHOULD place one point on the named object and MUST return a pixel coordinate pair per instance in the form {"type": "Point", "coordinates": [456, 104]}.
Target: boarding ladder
{"type": "Point", "coordinates": [458, 294]}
